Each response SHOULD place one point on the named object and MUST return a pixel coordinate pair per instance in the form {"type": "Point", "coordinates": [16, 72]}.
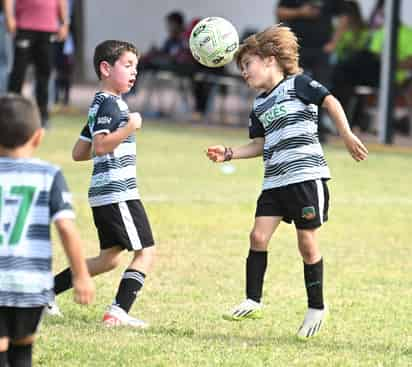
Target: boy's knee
{"type": "Point", "coordinates": [4, 344]}
{"type": "Point", "coordinates": [310, 254]}
{"type": "Point", "coordinates": [147, 254]}
{"type": "Point", "coordinates": [258, 240]}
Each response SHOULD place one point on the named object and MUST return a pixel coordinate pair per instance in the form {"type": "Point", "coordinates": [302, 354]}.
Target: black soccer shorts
{"type": "Point", "coordinates": [304, 203]}
{"type": "Point", "coordinates": [19, 322]}
{"type": "Point", "coordinates": [123, 224]}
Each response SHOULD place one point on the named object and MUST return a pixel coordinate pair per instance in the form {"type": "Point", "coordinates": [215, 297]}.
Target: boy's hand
{"type": "Point", "coordinates": [136, 119]}
{"type": "Point", "coordinates": [357, 150]}
{"type": "Point", "coordinates": [83, 290]}
{"type": "Point", "coordinates": [216, 153]}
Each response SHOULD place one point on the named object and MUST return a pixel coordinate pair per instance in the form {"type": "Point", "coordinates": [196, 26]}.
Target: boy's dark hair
{"type": "Point", "coordinates": [176, 17]}
{"type": "Point", "coordinates": [19, 119]}
{"type": "Point", "coordinates": [110, 51]}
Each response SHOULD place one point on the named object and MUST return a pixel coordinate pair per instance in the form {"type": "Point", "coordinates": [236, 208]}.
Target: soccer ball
{"type": "Point", "coordinates": [213, 42]}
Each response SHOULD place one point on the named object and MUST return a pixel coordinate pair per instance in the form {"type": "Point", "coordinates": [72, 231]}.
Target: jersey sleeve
{"type": "Point", "coordinates": [60, 201]}
{"type": "Point", "coordinates": [85, 134]}
{"type": "Point", "coordinates": [310, 91]}
{"type": "Point", "coordinates": [256, 129]}
{"type": "Point", "coordinates": [108, 117]}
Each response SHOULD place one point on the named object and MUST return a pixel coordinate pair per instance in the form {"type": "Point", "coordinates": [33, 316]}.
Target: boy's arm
{"type": "Point", "coordinates": [355, 147]}
{"type": "Point", "coordinates": [106, 142]}
{"type": "Point", "coordinates": [82, 282]}
{"type": "Point", "coordinates": [61, 213]}
{"type": "Point", "coordinates": [220, 153]}
{"type": "Point", "coordinates": [82, 150]}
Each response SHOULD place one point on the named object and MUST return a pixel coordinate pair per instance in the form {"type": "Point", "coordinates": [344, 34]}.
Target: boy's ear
{"type": "Point", "coordinates": [105, 68]}
{"type": "Point", "coordinates": [37, 138]}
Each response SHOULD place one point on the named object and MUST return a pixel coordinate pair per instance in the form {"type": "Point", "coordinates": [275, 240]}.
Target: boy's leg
{"type": "Point", "coordinates": [313, 273]}
{"type": "Point", "coordinates": [131, 283]}
{"type": "Point", "coordinates": [313, 266]}
{"type": "Point", "coordinates": [133, 278]}
{"type": "Point", "coordinates": [23, 324]}
{"type": "Point", "coordinates": [20, 352]}
{"type": "Point", "coordinates": [107, 260]}
{"type": "Point", "coordinates": [4, 345]}
{"type": "Point", "coordinates": [256, 263]}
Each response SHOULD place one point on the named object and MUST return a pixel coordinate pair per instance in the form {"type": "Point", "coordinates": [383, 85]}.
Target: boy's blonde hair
{"type": "Point", "coordinates": [278, 41]}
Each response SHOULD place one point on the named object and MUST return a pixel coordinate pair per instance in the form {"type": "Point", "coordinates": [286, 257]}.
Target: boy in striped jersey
{"type": "Point", "coordinates": [33, 193]}
{"type": "Point", "coordinates": [118, 213]}
{"type": "Point", "coordinates": [283, 128]}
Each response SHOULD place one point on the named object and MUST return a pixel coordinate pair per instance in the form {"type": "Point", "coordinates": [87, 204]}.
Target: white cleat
{"type": "Point", "coordinates": [313, 322]}
{"type": "Point", "coordinates": [248, 309]}
{"type": "Point", "coordinates": [53, 310]}
{"type": "Point", "coordinates": [115, 316]}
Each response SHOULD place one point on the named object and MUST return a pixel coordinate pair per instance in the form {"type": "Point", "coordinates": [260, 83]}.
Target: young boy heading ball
{"type": "Point", "coordinates": [284, 129]}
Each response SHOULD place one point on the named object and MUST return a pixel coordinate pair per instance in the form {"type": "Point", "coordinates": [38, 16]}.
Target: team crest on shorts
{"type": "Point", "coordinates": [309, 212]}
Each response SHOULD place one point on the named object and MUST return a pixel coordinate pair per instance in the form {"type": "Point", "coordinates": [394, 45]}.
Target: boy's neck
{"type": "Point", "coordinates": [106, 88]}
{"type": "Point", "coordinates": [276, 78]}
{"type": "Point", "coordinates": [19, 152]}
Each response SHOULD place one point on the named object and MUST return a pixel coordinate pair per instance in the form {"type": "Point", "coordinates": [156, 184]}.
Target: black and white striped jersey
{"type": "Point", "coordinates": [114, 174]}
{"type": "Point", "coordinates": [33, 193]}
{"type": "Point", "coordinates": [287, 118]}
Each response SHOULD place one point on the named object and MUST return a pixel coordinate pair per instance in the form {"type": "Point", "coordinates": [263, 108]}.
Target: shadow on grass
{"type": "Point", "coordinates": [287, 340]}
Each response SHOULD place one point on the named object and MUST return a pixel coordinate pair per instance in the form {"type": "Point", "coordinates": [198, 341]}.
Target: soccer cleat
{"type": "Point", "coordinates": [115, 316]}
{"type": "Point", "coordinates": [52, 309]}
{"type": "Point", "coordinates": [248, 309]}
{"type": "Point", "coordinates": [312, 323]}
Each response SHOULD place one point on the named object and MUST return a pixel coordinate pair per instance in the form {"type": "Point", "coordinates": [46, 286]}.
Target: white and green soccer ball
{"type": "Point", "coordinates": [213, 42]}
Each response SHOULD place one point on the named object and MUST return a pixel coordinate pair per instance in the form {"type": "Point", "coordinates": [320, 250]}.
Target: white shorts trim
{"type": "Point", "coordinates": [130, 226]}
{"type": "Point", "coordinates": [321, 199]}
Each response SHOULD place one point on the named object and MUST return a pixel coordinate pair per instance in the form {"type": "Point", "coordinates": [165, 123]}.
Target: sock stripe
{"type": "Point", "coordinates": [134, 275]}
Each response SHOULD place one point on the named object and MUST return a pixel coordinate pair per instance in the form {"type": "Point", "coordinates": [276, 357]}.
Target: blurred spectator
{"type": "Point", "coordinates": [4, 52]}
{"type": "Point", "coordinates": [170, 54]}
{"type": "Point", "coordinates": [65, 64]}
{"type": "Point", "coordinates": [312, 22]}
{"type": "Point", "coordinates": [356, 35]}
{"type": "Point", "coordinates": [175, 56]}
{"type": "Point", "coordinates": [35, 24]}
{"type": "Point", "coordinates": [363, 68]}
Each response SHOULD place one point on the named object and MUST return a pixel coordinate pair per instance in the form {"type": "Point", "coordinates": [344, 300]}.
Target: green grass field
{"type": "Point", "coordinates": [201, 219]}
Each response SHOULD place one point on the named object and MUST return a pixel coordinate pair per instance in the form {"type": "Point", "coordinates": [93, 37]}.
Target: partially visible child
{"type": "Point", "coordinates": [118, 213]}
{"type": "Point", "coordinates": [33, 193]}
{"type": "Point", "coordinates": [284, 129]}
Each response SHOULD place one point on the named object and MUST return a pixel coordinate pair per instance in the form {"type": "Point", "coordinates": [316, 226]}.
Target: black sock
{"type": "Point", "coordinates": [255, 272]}
{"type": "Point", "coordinates": [3, 359]}
{"type": "Point", "coordinates": [20, 355]}
{"type": "Point", "coordinates": [314, 284]}
{"type": "Point", "coordinates": [63, 281]}
{"type": "Point", "coordinates": [131, 283]}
